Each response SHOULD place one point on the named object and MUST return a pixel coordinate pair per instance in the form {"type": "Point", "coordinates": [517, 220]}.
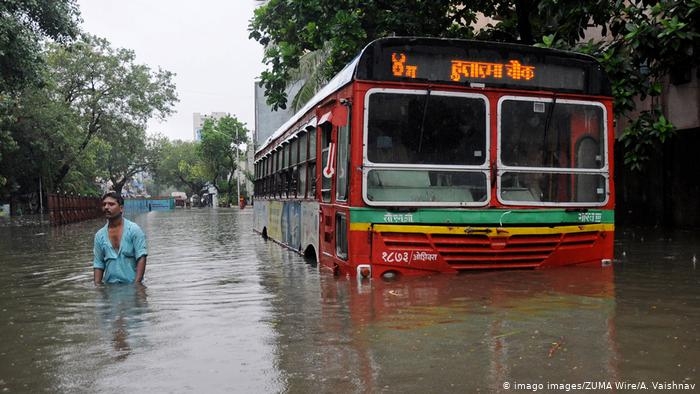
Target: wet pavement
{"type": "Point", "coordinates": [225, 311]}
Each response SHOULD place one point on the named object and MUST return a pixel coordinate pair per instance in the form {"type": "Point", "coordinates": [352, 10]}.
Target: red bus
{"type": "Point", "coordinates": [442, 155]}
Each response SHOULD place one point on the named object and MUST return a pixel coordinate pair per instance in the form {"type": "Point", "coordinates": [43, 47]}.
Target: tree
{"type": "Point", "coordinates": [125, 150]}
{"type": "Point", "coordinates": [40, 132]}
{"type": "Point", "coordinates": [23, 26]}
{"type": "Point", "coordinates": [60, 132]}
{"type": "Point", "coordinates": [181, 166]}
{"type": "Point", "coordinates": [642, 41]}
{"type": "Point", "coordinates": [221, 150]}
{"type": "Point", "coordinates": [651, 42]}
{"type": "Point", "coordinates": [104, 87]}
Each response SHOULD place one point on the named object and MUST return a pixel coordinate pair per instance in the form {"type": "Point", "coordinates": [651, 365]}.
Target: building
{"type": "Point", "coordinates": [268, 121]}
{"type": "Point", "coordinates": [199, 119]}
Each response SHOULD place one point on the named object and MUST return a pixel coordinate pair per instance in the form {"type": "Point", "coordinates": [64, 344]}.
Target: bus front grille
{"type": "Point", "coordinates": [479, 251]}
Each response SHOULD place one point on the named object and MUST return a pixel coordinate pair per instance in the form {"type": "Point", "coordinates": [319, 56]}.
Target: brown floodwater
{"type": "Point", "coordinates": [225, 311]}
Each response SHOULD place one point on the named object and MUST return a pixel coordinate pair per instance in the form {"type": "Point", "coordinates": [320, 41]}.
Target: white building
{"type": "Point", "coordinates": [199, 119]}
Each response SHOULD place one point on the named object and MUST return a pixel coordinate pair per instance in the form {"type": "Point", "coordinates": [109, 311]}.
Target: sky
{"type": "Point", "coordinates": [204, 42]}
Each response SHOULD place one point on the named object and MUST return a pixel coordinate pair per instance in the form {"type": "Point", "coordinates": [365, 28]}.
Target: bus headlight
{"type": "Point", "coordinates": [364, 271]}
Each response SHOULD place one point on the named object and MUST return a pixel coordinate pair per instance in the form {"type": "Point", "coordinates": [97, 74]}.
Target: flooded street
{"type": "Point", "coordinates": [225, 311]}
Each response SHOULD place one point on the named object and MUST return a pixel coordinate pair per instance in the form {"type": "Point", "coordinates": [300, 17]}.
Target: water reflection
{"type": "Point", "coordinates": [121, 308]}
{"type": "Point", "coordinates": [451, 333]}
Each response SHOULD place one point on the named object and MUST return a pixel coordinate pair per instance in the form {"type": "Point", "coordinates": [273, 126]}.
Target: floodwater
{"type": "Point", "coordinates": [225, 311]}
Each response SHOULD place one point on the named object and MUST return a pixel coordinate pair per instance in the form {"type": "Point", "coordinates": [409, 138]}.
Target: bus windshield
{"type": "Point", "coordinates": [552, 151]}
{"type": "Point", "coordinates": [426, 146]}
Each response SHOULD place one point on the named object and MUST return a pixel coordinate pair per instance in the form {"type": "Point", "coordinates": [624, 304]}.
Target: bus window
{"type": "Point", "coordinates": [550, 152]}
{"type": "Point", "coordinates": [426, 128]}
{"type": "Point", "coordinates": [550, 187]}
{"type": "Point", "coordinates": [341, 236]}
{"type": "Point", "coordinates": [312, 179]}
{"type": "Point", "coordinates": [342, 170]}
{"type": "Point", "coordinates": [539, 134]}
{"type": "Point", "coordinates": [294, 152]}
{"type": "Point", "coordinates": [277, 184]}
{"type": "Point", "coordinates": [411, 130]}
{"type": "Point", "coordinates": [426, 186]}
{"type": "Point", "coordinates": [302, 181]}
{"type": "Point", "coordinates": [294, 182]}
{"type": "Point", "coordinates": [311, 169]}
{"type": "Point", "coordinates": [302, 147]}
{"type": "Point", "coordinates": [587, 156]}
{"type": "Point", "coordinates": [312, 144]}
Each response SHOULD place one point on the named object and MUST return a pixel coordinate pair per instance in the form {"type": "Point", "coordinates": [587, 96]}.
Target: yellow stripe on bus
{"type": "Point", "coordinates": [495, 230]}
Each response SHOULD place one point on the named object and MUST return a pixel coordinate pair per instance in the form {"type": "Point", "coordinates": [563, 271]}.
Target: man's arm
{"type": "Point", "coordinates": [98, 264]}
{"type": "Point", "coordinates": [140, 269]}
{"type": "Point", "coordinates": [140, 249]}
{"type": "Point", "coordinates": [98, 273]}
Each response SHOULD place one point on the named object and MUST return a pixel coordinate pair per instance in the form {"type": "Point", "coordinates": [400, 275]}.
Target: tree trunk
{"type": "Point", "coordinates": [522, 10]}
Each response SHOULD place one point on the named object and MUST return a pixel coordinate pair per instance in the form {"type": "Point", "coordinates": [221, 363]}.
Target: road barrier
{"type": "Point", "coordinates": [64, 209]}
{"type": "Point", "coordinates": [132, 206]}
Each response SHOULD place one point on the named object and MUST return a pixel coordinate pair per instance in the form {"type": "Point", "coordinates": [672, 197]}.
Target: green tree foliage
{"type": "Point", "coordinates": [642, 42]}
{"type": "Point", "coordinates": [222, 148]}
{"type": "Point", "coordinates": [106, 89]}
{"type": "Point", "coordinates": [40, 136]}
{"type": "Point", "coordinates": [89, 113]}
{"type": "Point", "coordinates": [181, 166]}
{"type": "Point", "coordinates": [124, 150]}
{"type": "Point", "coordinates": [650, 43]}
{"type": "Point", "coordinates": [290, 29]}
{"type": "Point", "coordinates": [23, 27]}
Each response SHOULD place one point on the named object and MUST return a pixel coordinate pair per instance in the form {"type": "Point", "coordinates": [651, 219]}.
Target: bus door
{"type": "Point", "coordinates": [326, 139]}
{"type": "Point", "coordinates": [333, 135]}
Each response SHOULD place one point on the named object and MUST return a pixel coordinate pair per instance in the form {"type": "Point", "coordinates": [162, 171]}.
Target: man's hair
{"type": "Point", "coordinates": [115, 196]}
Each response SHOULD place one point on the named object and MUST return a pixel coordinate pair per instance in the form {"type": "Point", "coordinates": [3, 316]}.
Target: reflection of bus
{"type": "Point", "coordinates": [436, 155]}
{"type": "Point", "coordinates": [448, 334]}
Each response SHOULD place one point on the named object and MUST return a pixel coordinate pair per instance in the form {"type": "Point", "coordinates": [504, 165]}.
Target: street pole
{"type": "Point", "coordinates": [238, 174]}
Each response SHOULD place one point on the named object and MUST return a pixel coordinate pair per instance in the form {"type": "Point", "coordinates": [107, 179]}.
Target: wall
{"type": "Point", "coordinates": [667, 192]}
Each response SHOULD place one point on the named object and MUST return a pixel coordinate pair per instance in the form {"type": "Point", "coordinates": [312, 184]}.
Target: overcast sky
{"type": "Point", "coordinates": [204, 42]}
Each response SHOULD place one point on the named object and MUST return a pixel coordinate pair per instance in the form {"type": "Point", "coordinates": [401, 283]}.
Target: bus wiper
{"type": "Point", "coordinates": [547, 122]}
{"type": "Point", "coordinates": [422, 122]}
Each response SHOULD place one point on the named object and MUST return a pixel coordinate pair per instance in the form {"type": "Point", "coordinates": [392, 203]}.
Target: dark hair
{"type": "Point", "coordinates": [114, 195]}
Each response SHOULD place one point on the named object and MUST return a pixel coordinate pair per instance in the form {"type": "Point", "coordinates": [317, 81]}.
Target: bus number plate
{"type": "Point", "coordinates": [408, 256]}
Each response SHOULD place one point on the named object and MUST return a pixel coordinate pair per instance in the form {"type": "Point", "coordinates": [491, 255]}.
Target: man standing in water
{"type": "Point", "coordinates": [120, 246]}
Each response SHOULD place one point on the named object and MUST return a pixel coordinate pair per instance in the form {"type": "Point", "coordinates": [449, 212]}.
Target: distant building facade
{"type": "Point", "coordinates": [199, 119]}
{"type": "Point", "coordinates": [268, 121]}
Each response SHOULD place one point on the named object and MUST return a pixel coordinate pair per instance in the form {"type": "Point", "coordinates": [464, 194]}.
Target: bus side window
{"type": "Point", "coordinates": [311, 178]}
{"type": "Point", "coordinates": [341, 236]}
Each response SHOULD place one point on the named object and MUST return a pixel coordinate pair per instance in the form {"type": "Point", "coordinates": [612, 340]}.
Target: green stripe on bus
{"type": "Point", "coordinates": [482, 216]}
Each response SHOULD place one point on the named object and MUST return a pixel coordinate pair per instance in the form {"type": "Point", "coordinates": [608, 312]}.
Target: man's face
{"type": "Point", "coordinates": [111, 208]}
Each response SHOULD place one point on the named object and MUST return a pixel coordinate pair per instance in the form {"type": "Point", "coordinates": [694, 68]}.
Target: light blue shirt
{"type": "Point", "coordinates": [119, 266]}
